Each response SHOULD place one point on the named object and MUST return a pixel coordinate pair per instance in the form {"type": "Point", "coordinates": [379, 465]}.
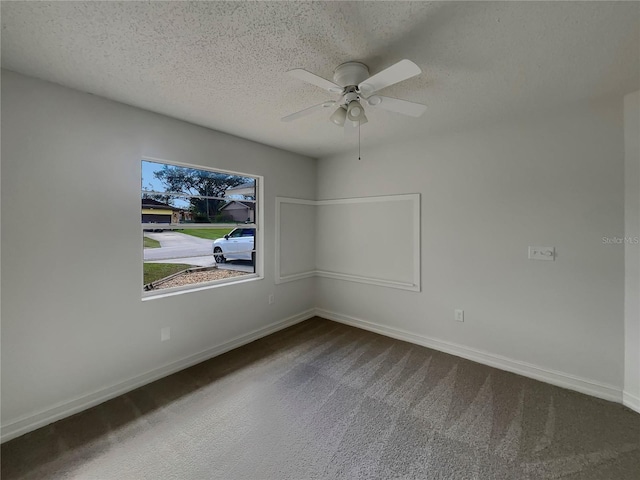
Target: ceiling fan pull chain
{"type": "Point", "coordinates": [359, 141]}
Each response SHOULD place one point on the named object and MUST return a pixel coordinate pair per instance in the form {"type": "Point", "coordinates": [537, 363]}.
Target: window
{"type": "Point", "coordinates": [199, 227]}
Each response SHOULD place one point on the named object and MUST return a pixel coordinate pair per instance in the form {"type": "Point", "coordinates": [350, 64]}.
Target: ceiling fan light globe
{"type": "Point", "coordinates": [338, 117]}
{"type": "Point", "coordinates": [355, 111]}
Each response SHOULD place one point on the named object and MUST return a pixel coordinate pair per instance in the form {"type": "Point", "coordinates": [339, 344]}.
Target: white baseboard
{"type": "Point", "coordinates": [631, 401]}
{"type": "Point", "coordinates": [57, 412]}
{"type": "Point", "coordinates": [572, 382]}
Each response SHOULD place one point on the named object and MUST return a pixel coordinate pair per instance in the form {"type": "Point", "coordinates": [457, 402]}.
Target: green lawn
{"type": "Point", "coordinates": [210, 234]}
{"type": "Point", "coordinates": [156, 271]}
{"type": "Point", "coordinates": [151, 243]}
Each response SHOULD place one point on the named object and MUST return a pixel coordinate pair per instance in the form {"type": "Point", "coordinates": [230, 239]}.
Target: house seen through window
{"type": "Point", "coordinates": [198, 226]}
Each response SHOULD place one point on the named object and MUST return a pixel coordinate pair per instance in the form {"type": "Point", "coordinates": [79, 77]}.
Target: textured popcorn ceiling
{"type": "Point", "coordinates": [222, 65]}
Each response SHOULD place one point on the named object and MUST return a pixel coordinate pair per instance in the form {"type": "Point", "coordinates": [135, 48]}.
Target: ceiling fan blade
{"type": "Point", "coordinates": [398, 72]}
{"type": "Point", "coordinates": [396, 105]}
{"type": "Point", "coordinates": [314, 79]}
{"type": "Point", "coordinates": [307, 111]}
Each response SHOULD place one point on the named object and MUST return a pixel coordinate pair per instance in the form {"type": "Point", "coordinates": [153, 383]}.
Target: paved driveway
{"type": "Point", "coordinates": [176, 247]}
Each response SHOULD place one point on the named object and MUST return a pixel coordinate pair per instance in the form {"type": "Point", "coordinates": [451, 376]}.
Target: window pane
{"type": "Point", "coordinates": [174, 196]}
{"type": "Point", "coordinates": [169, 252]}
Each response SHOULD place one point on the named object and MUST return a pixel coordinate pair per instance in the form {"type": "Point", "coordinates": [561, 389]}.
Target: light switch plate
{"type": "Point", "coordinates": [459, 315]}
{"type": "Point", "coordinates": [542, 253]}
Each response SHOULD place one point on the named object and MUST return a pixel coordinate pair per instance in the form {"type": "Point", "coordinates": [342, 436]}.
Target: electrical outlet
{"type": "Point", "coordinates": [458, 315]}
{"type": "Point", "coordinates": [165, 334]}
{"type": "Point", "coordinates": [272, 299]}
{"type": "Point", "coordinates": [542, 253]}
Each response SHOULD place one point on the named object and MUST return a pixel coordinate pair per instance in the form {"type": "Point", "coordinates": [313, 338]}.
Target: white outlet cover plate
{"type": "Point", "coordinates": [542, 253]}
{"type": "Point", "coordinates": [165, 334]}
{"type": "Point", "coordinates": [459, 315]}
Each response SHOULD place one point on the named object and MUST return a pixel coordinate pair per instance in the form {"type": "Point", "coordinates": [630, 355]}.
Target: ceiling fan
{"type": "Point", "coordinates": [355, 87]}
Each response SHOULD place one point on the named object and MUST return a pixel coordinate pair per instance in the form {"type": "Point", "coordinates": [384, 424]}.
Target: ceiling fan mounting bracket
{"type": "Point", "coordinates": [351, 74]}
{"type": "Point", "coordinates": [350, 95]}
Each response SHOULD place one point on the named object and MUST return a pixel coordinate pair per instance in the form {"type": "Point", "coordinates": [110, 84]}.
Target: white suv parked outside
{"type": "Point", "coordinates": [237, 245]}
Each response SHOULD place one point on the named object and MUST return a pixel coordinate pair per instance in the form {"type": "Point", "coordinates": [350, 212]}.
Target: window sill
{"type": "Point", "coordinates": [170, 292]}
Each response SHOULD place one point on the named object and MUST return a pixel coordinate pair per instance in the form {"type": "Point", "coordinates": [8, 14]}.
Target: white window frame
{"type": "Point", "coordinates": [258, 239]}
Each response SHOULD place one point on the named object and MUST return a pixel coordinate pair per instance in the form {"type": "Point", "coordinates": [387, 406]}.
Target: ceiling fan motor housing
{"type": "Point", "coordinates": [351, 73]}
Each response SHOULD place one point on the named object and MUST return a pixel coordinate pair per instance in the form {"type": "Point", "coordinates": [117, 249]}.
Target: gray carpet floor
{"type": "Point", "coordinates": [322, 400]}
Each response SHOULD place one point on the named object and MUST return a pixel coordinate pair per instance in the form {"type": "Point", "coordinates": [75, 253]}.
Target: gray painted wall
{"type": "Point", "coordinates": [632, 249]}
{"type": "Point", "coordinates": [73, 322]}
{"type": "Point", "coordinates": [552, 179]}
